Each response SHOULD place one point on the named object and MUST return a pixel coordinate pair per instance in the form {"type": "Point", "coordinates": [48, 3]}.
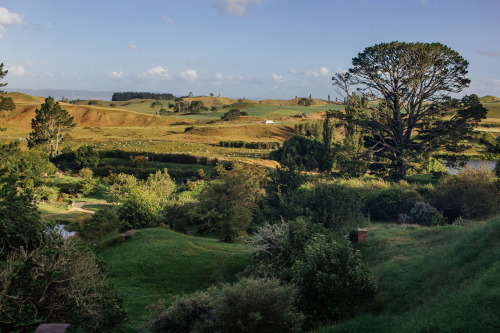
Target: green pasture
{"type": "Point", "coordinates": [191, 148]}
{"type": "Point", "coordinates": [158, 263]}
{"type": "Point", "coordinates": [441, 279]}
{"type": "Point", "coordinates": [263, 111]}
{"type": "Point", "coordinates": [493, 110]}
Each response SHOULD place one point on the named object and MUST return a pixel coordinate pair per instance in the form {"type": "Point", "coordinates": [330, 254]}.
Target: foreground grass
{"type": "Point", "coordinates": [441, 279]}
{"type": "Point", "coordinates": [158, 263]}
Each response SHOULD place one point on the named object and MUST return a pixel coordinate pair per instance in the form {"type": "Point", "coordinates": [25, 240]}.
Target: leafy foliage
{"type": "Point", "coordinates": [228, 205]}
{"type": "Point", "coordinates": [57, 281]}
{"type": "Point", "coordinates": [386, 204]}
{"type": "Point", "coordinates": [250, 305]}
{"type": "Point", "coordinates": [472, 194]}
{"type": "Point", "coordinates": [331, 279]}
{"type": "Point", "coordinates": [86, 157]}
{"type": "Point", "coordinates": [233, 114]}
{"type": "Point", "coordinates": [50, 125]}
{"type": "Point", "coordinates": [411, 81]}
{"type": "Point", "coordinates": [300, 153]}
{"type": "Point", "coordinates": [126, 96]}
{"type": "Point", "coordinates": [424, 214]}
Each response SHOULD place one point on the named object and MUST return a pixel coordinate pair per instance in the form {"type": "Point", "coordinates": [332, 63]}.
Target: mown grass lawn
{"type": "Point", "coordinates": [159, 263]}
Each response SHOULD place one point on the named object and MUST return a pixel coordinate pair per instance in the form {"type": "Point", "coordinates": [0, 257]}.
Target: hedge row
{"type": "Point", "coordinates": [122, 154]}
{"type": "Point", "coordinates": [250, 145]}
{"type": "Point", "coordinates": [142, 173]}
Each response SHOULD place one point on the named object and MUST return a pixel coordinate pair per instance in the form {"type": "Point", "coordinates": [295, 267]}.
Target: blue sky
{"type": "Point", "coordinates": [236, 48]}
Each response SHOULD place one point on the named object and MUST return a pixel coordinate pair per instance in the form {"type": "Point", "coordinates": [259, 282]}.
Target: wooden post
{"type": "Point", "coordinates": [362, 234]}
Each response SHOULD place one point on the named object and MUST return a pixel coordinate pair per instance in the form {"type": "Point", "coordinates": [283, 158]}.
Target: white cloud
{"type": "Point", "coordinates": [277, 78]}
{"type": "Point", "coordinates": [157, 71]}
{"type": "Point", "coordinates": [323, 72]}
{"type": "Point", "coordinates": [168, 20]}
{"type": "Point", "coordinates": [293, 71]}
{"type": "Point", "coordinates": [133, 47]}
{"type": "Point", "coordinates": [7, 18]}
{"type": "Point", "coordinates": [219, 76]}
{"type": "Point", "coordinates": [235, 7]}
{"type": "Point", "coordinates": [189, 75]}
{"type": "Point", "coordinates": [16, 70]}
{"type": "Point", "coordinates": [484, 51]}
{"type": "Point", "coordinates": [117, 75]}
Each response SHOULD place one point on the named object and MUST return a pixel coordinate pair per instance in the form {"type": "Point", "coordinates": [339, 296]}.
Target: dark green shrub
{"type": "Point", "coordinates": [387, 204]}
{"type": "Point", "coordinates": [424, 214]}
{"type": "Point", "coordinates": [337, 207]}
{"type": "Point", "coordinates": [140, 209]}
{"type": "Point", "coordinates": [331, 279]}
{"type": "Point", "coordinates": [472, 194]}
{"type": "Point", "coordinates": [100, 224]}
{"type": "Point", "coordinates": [250, 305]}
{"type": "Point", "coordinates": [258, 305]}
{"type": "Point", "coordinates": [300, 153]}
{"type": "Point", "coordinates": [86, 157]}
{"type": "Point", "coordinates": [180, 225]}
{"type": "Point", "coordinates": [57, 281]}
{"type": "Point", "coordinates": [189, 313]}
{"type": "Point", "coordinates": [233, 114]}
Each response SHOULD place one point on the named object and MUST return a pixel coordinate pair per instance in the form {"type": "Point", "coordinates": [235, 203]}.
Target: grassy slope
{"type": "Point", "coordinates": [158, 263]}
{"type": "Point", "coordinates": [432, 280]}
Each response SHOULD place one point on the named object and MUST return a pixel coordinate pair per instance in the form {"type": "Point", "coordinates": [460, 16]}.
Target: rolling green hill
{"type": "Point", "coordinates": [158, 263]}
{"type": "Point", "coordinates": [442, 279]}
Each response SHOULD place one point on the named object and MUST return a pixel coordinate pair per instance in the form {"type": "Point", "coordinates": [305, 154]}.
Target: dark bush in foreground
{"type": "Point", "coordinates": [57, 281]}
{"type": "Point", "coordinates": [250, 305]}
{"type": "Point", "coordinates": [472, 194]}
{"type": "Point", "coordinates": [331, 279]}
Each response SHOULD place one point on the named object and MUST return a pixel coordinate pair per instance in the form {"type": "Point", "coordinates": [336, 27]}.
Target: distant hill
{"type": "Point", "coordinates": [57, 94]}
{"type": "Point", "coordinates": [85, 116]}
{"type": "Point", "coordinates": [490, 99]}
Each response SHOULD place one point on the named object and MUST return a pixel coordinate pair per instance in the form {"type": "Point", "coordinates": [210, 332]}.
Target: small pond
{"type": "Point", "coordinates": [475, 164]}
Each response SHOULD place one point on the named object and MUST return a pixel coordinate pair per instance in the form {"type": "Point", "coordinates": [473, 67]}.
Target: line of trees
{"type": "Point", "coordinates": [126, 96]}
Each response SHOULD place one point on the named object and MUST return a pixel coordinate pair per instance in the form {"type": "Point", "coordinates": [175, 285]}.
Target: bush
{"type": "Point", "coordinates": [48, 193]}
{"type": "Point", "coordinates": [387, 204]}
{"type": "Point", "coordinates": [424, 214]}
{"type": "Point", "coordinates": [233, 114]}
{"type": "Point", "coordinates": [140, 209]}
{"type": "Point", "coordinates": [86, 157]}
{"type": "Point", "coordinates": [100, 224]}
{"type": "Point", "coordinates": [331, 279]}
{"type": "Point", "coordinates": [250, 305]}
{"type": "Point", "coordinates": [57, 281]}
{"type": "Point", "coordinates": [472, 194]}
{"type": "Point", "coordinates": [180, 225]}
{"type": "Point", "coordinates": [334, 206]}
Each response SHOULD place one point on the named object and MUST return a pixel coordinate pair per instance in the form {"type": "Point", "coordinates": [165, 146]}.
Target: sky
{"type": "Point", "coordinates": [236, 48]}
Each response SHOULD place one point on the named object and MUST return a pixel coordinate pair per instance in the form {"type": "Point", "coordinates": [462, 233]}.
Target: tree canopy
{"type": "Point", "coordinates": [408, 85]}
{"type": "Point", "coordinates": [50, 125]}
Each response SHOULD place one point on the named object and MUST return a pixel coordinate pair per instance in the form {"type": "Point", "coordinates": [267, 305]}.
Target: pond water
{"type": "Point", "coordinates": [61, 228]}
{"type": "Point", "coordinates": [475, 164]}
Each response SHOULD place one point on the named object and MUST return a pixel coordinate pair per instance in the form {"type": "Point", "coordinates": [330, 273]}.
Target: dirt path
{"type": "Point", "coordinates": [77, 206]}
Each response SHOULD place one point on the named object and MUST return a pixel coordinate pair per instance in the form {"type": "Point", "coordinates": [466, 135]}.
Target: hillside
{"type": "Point", "coordinates": [490, 99]}
{"type": "Point", "coordinates": [159, 263]}
{"type": "Point", "coordinates": [432, 279]}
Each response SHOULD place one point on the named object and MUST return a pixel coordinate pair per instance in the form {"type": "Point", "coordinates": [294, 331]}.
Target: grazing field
{"type": "Point", "coordinates": [158, 263]}
{"type": "Point", "coordinates": [441, 279]}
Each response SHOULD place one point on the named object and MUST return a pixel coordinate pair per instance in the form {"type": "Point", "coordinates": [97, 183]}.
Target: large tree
{"type": "Point", "coordinates": [6, 103]}
{"type": "Point", "coordinates": [411, 83]}
{"type": "Point", "coordinates": [50, 125]}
